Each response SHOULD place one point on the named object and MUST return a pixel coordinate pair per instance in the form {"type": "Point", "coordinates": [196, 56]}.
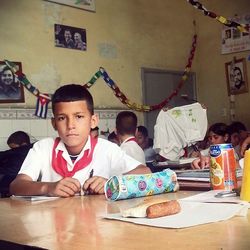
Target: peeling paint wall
{"type": "Point", "coordinates": [122, 37]}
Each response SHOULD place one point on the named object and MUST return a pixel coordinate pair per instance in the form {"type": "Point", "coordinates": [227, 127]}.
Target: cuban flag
{"type": "Point", "coordinates": [42, 105]}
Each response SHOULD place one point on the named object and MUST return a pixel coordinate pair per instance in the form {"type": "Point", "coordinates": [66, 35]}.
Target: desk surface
{"type": "Point", "coordinates": [76, 223]}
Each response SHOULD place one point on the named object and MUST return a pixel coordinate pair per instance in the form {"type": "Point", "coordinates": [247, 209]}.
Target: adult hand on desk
{"type": "Point", "coordinates": [201, 162]}
{"type": "Point", "coordinates": [95, 185]}
{"type": "Point", "coordinates": [66, 187]}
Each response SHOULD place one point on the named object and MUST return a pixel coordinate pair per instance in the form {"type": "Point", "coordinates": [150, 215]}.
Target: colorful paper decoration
{"type": "Point", "coordinates": [241, 27]}
{"type": "Point", "coordinates": [44, 99]}
{"type": "Point", "coordinates": [140, 107]}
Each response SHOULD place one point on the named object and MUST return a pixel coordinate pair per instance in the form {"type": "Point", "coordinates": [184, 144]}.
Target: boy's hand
{"type": "Point", "coordinates": [65, 187]}
{"type": "Point", "coordinates": [94, 185]}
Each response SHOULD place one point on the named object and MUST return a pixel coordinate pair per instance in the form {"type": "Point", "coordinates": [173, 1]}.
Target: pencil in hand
{"type": "Point", "coordinates": [87, 191]}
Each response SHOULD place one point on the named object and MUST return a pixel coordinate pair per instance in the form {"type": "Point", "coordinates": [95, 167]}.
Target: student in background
{"type": "Point", "coordinates": [240, 128]}
{"type": "Point", "coordinates": [126, 124]}
{"type": "Point", "coordinates": [94, 132]}
{"type": "Point", "coordinates": [146, 144]}
{"type": "Point", "coordinates": [217, 134]}
{"type": "Point", "coordinates": [17, 139]}
{"type": "Point", "coordinates": [245, 146]}
{"type": "Point", "coordinates": [63, 165]}
{"type": "Point", "coordinates": [11, 160]}
{"type": "Point", "coordinates": [113, 138]}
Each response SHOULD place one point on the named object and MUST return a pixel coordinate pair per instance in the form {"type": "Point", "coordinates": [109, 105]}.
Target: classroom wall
{"type": "Point", "coordinates": [210, 67]}
{"type": "Point", "coordinates": [12, 120]}
{"type": "Point", "coordinates": [122, 37]}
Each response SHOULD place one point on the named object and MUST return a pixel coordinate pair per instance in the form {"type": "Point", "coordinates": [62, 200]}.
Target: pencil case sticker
{"type": "Point", "coordinates": [132, 186]}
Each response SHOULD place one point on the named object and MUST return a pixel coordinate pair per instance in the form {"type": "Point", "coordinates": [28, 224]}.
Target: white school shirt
{"type": "Point", "coordinates": [108, 160]}
{"type": "Point", "coordinates": [133, 149]}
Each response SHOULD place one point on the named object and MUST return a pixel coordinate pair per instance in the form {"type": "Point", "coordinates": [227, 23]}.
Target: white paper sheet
{"type": "Point", "coordinates": [210, 197]}
{"type": "Point", "coordinates": [192, 214]}
{"type": "Point", "coordinates": [33, 198]}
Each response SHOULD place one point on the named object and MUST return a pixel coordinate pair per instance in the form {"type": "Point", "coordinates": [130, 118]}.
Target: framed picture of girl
{"type": "Point", "coordinates": [236, 75]}
{"type": "Point", "coordinates": [11, 90]}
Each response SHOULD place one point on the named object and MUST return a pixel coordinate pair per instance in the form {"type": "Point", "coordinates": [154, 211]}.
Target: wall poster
{"type": "Point", "coordinates": [233, 40]}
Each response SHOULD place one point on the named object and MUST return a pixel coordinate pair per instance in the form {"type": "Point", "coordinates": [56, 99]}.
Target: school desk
{"type": "Point", "coordinates": [76, 223]}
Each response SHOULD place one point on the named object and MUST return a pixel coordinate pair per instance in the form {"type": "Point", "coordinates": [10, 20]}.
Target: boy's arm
{"type": "Point", "coordinates": [141, 169]}
{"type": "Point", "coordinates": [24, 185]}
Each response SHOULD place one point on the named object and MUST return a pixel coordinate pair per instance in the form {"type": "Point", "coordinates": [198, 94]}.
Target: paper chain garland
{"type": "Point", "coordinates": [139, 107]}
{"type": "Point", "coordinates": [241, 27]}
{"type": "Point", "coordinates": [44, 99]}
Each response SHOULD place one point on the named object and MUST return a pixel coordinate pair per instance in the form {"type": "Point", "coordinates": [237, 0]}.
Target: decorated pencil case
{"type": "Point", "coordinates": [132, 186]}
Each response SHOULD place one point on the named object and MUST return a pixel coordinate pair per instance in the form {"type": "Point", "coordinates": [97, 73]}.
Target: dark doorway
{"type": "Point", "coordinates": [157, 85]}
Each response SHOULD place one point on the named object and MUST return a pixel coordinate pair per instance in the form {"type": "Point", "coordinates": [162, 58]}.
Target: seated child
{"type": "Point", "coordinates": [94, 132]}
{"type": "Point", "coordinates": [17, 139]}
{"type": "Point", "coordinates": [113, 138]}
{"type": "Point", "coordinates": [146, 144]}
{"type": "Point", "coordinates": [62, 166]}
{"type": "Point", "coordinates": [11, 160]}
{"type": "Point", "coordinates": [126, 123]}
{"type": "Point", "coordinates": [245, 146]}
{"type": "Point", "coordinates": [238, 133]}
{"type": "Point", "coordinates": [217, 134]}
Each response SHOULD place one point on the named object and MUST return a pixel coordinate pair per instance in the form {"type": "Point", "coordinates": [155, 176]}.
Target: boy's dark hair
{"type": "Point", "coordinates": [126, 123]}
{"type": "Point", "coordinates": [237, 126]}
{"type": "Point", "coordinates": [72, 93]}
{"type": "Point", "coordinates": [112, 136]}
{"type": "Point", "coordinates": [143, 130]}
{"type": "Point", "coordinates": [219, 128]}
{"type": "Point", "coordinates": [19, 137]}
{"type": "Point", "coordinates": [95, 129]}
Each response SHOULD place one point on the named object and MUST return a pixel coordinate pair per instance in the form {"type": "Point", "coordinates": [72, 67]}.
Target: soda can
{"type": "Point", "coordinates": [222, 167]}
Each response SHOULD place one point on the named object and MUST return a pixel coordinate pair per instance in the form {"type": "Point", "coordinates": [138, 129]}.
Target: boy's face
{"type": "Point", "coordinates": [73, 122]}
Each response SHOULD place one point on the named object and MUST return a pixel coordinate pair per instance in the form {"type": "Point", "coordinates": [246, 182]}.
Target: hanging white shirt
{"type": "Point", "coordinates": [179, 127]}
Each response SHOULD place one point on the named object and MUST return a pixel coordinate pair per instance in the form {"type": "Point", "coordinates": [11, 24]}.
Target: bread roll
{"type": "Point", "coordinates": [163, 209]}
{"type": "Point", "coordinates": [139, 211]}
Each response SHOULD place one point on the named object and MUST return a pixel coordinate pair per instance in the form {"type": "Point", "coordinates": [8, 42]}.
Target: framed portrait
{"type": "Point", "coordinates": [236, 75]}
{"type": "Point", "coordinates": [70, 37]}
{"type": "Point", "coordinates": [11, 90]}
{"type": "Point", "coordinates": [80, 4]}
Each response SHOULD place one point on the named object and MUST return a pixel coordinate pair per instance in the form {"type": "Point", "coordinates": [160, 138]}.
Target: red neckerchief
{"type": "Point", "coordinates": [59, 164]}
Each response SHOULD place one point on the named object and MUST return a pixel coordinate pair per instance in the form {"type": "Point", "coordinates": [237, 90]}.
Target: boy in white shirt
{"type": "Point", "coordinates": [126, 125]}
{"type": "Point", "coordinates": [62, 166]}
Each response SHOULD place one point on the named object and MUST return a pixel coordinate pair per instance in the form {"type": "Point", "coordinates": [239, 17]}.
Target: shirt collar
{"type": "Point", "coordinates": [130, 137]}
{"type": "Point", "coordinates": [61, 147]}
